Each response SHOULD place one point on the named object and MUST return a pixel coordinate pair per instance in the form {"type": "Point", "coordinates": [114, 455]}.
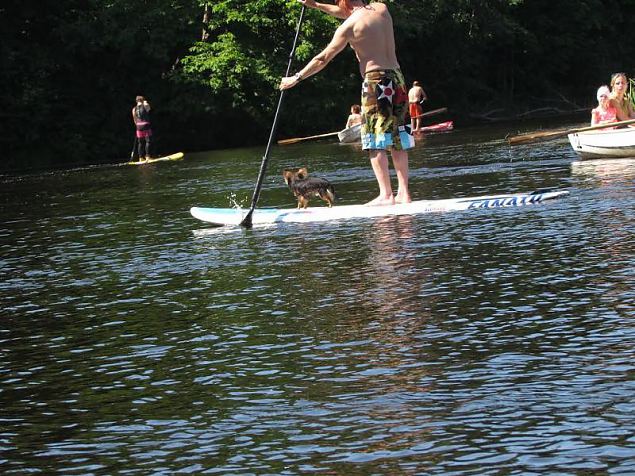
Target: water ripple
{"type": "Point", "coordinates": [135, 340]}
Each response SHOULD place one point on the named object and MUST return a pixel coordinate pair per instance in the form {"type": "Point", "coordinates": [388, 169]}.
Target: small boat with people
{"type": "Point", "coordinates": [604, 143]}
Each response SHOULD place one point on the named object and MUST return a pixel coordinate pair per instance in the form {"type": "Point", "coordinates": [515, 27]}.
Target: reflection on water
{"type": "Point", "coordinates": [135, 339]}
{"type": "Point", "coordinates": [605, 169]}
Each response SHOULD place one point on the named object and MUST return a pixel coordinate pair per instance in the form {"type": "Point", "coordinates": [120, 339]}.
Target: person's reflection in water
{"type": "Point", "coordinates": [392, 260]}
{"type": "Point", "coordinates": [395, 273]}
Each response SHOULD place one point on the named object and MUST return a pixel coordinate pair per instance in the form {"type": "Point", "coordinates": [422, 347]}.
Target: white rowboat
{"type": "Point", "coordinates": [350, 134]}
{"type": "Point", "coordinates": [262, 216]}
{"type": "Point", "coordinates": [604, 143]}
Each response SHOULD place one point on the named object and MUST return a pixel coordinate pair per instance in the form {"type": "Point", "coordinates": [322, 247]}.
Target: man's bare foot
{"type": "Point", "coordinates": [381, 201]}
{"type": "Point", "coordinates": [405, 199]}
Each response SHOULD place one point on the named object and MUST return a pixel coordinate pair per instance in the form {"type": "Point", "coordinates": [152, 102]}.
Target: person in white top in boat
{"type": "Point", "coordinates": [368, 29]}
{"type": "Point", "coordinates": [604, 113]}
{"type": "Point", "coordinates": [416, 97]}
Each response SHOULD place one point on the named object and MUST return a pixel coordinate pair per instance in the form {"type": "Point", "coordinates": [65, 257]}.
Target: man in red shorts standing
{"type": "Point", "coordinates": [416, 96]}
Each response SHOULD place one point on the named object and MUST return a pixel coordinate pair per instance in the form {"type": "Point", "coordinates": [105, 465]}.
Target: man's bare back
{"type": "Point", "coordinates": [369, 31]}
{"type": "Point", "coordinates": [416, 94]}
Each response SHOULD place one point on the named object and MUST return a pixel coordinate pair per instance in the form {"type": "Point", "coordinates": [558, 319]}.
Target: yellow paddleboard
{"type": "Point", "coordinates": [177, 156]}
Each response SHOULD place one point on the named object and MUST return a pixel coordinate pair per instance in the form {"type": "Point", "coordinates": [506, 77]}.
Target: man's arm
{"type": "Point", "coordinates": [317, 64]}
{"type": "Point", "coordinates": [424, 96]}
{"type": "Point", "coordinates": [332, 10]}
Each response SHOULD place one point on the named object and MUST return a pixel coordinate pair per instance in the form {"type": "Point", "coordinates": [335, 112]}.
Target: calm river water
{"type": "Point", "coordinates": [137, 340]}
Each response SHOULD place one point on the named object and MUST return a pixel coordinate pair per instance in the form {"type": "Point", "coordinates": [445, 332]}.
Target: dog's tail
{"type": "Point", "coordinates": [330, 192]}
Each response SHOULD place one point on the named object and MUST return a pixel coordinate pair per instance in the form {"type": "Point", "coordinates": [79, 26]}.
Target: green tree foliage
{"type": "Point", "coordinates": [246, 53]}
{"type": "Point", "coordinates": [69, 71]}
{"type": "Point", "coordinates": [514, 53]}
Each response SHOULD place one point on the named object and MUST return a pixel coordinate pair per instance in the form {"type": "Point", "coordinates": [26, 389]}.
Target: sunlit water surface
{"type": "Point", "coordinates": [137, 340]}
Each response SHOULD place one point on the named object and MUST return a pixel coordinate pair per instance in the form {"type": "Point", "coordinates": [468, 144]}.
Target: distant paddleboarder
{"type": "Point", "coordinates": [141, 118]}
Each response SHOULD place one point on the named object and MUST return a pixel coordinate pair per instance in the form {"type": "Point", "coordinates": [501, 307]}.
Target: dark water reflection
{"type": "Point", "coordinates": [136, 340]}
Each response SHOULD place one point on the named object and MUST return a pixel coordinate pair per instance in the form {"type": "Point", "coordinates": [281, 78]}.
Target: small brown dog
{"type": "Point", "coordinates": [303, 186]}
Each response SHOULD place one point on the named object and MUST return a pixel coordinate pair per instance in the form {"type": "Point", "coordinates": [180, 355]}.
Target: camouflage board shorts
{"type": "Point", "coordinates": [384, 107]}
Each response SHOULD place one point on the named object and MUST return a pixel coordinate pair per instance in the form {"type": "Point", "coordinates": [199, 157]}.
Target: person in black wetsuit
{"type": "Point", "coordinates": [141, 118]}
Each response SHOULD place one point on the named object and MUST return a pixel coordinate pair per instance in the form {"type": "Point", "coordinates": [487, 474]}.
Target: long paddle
{"type": "Point", "coordinates": [299, 139]}
{"type": "Point", "coordinates": [431, 113]}
{"type": "Point", "coordinates": [247, 221]}
{"type": "Point", "coordinates": [328, 134]}
{"type": "Point", "coordinates": [548, 135]}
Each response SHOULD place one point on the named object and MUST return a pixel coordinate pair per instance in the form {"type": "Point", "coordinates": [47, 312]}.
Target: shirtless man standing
{"type": "Point", "coordinates": [368, 29]}
{"type": "Point", "coordinates": [416, 96]}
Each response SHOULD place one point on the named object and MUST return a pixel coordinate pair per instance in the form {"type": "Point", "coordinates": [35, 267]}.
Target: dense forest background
{"type": "Point", "coordinates": [70, 69]}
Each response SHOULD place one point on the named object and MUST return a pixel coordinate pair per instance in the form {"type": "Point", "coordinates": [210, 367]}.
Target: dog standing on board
{"type": "Point", "coordinates": [303, 187]}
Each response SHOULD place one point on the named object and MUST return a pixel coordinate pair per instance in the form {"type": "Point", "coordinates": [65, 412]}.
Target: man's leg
{"type": "Point", "coordinates": [400, 162]}
{"type": "Point", "coordinates": [148, 147]}
{"type": "Point", "coordinates": [141, 148]}
{"type": "Point", "coordinates": [379, 161]}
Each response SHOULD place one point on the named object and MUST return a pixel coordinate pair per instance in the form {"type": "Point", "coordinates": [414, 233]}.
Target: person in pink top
{"type": "Point", "coordinates": [605, 112]}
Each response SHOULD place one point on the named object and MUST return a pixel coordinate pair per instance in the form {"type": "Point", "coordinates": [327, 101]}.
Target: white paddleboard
{"type": "Point", "coordinates": [234, 216]}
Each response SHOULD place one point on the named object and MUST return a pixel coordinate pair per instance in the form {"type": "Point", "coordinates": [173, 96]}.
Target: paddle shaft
{"type": "Point", "coordinates": [521, 139]}
{"type": "Point", "coordinates": [134, 148]}
{"type": "Point", "coordinates": [247, 221]}
{"type": "Point", "coordinates": [299, 139]}
{"type": "Point", "coordinates": [430, 113]}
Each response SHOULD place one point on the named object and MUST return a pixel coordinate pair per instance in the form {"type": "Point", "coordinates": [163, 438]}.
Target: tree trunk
{"type": "Point", "coordinates": [205, 33]}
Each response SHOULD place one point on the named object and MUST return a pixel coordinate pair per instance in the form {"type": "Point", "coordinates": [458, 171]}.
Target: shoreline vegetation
{"type": "Point", "coordinates": [538, 119]}
{"type": "Point", "coordinates": [69, 73]}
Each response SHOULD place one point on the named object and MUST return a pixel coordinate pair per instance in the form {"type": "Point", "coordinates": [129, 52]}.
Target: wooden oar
{"type": "Point", "coordinates": [431, 113]}
{"type": "Point", "coordinates": [299, 139]}
{"type": "Point", "coordinates": [548, 135]}
{"type": "Point", "coordinates": [329, 134]}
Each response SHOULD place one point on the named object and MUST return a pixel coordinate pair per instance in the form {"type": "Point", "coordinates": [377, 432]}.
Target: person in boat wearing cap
{"type": "Point", "coordinates": [141, 118]}
{"type": "Point", "coordinates": [416, 97]}
{"type": "Point", "coordinates": [618, 99]}
{"type": "Point", "coordinates": [368, 29]}
{"type": "Point", "coordinates": [605, 112]}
